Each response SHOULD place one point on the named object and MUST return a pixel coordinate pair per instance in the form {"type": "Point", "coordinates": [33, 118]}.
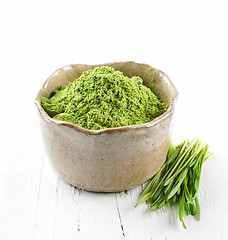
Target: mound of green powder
{"type": "Point", "coordinates": [104, 98]}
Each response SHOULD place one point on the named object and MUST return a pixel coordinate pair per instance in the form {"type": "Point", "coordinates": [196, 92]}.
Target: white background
{"type": "Point", "coordinates": [186, 39]}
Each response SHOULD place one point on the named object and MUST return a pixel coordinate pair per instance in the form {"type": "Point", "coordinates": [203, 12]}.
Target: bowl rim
{"type": "Point", "coordinates": [150, 124]}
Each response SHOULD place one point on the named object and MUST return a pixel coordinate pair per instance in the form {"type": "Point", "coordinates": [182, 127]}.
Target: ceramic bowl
{"type": "Point", "coordinates": [114, 159]}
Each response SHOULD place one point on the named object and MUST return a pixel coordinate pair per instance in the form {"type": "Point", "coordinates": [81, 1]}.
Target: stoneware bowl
{"type": "Point", "coordinates": [114, 159]}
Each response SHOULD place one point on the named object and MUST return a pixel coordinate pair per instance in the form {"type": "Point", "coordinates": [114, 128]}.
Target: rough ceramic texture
{"type": "Point", "coordinates": [114, 159]}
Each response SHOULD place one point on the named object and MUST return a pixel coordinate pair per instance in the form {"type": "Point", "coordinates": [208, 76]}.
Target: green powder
{"type": "Point", "coordinates": [104, 98]}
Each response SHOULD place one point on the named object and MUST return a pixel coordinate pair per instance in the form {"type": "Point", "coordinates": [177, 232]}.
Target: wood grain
{"type": "Point", "coordinates": [36, 204]}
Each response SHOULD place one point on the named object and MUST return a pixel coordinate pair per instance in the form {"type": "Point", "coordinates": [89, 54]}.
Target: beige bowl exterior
{"type": "Point", "coordinates": [114, 159]}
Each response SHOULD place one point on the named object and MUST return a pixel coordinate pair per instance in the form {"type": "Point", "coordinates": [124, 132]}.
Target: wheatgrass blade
{"type": "Point", "coordinates": [178, 179]}
{"type": "Point", "coordinates": [197, 213]}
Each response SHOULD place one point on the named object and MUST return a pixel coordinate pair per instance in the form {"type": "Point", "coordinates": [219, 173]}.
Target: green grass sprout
{"type": "Point", "coordinates": [178, 179]}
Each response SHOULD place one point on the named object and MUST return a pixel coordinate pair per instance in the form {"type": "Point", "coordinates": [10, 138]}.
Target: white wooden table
{"type": "Point", "coordinates": [186, 40]}
{"type": "Point", "coordinates": [36, 204]}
